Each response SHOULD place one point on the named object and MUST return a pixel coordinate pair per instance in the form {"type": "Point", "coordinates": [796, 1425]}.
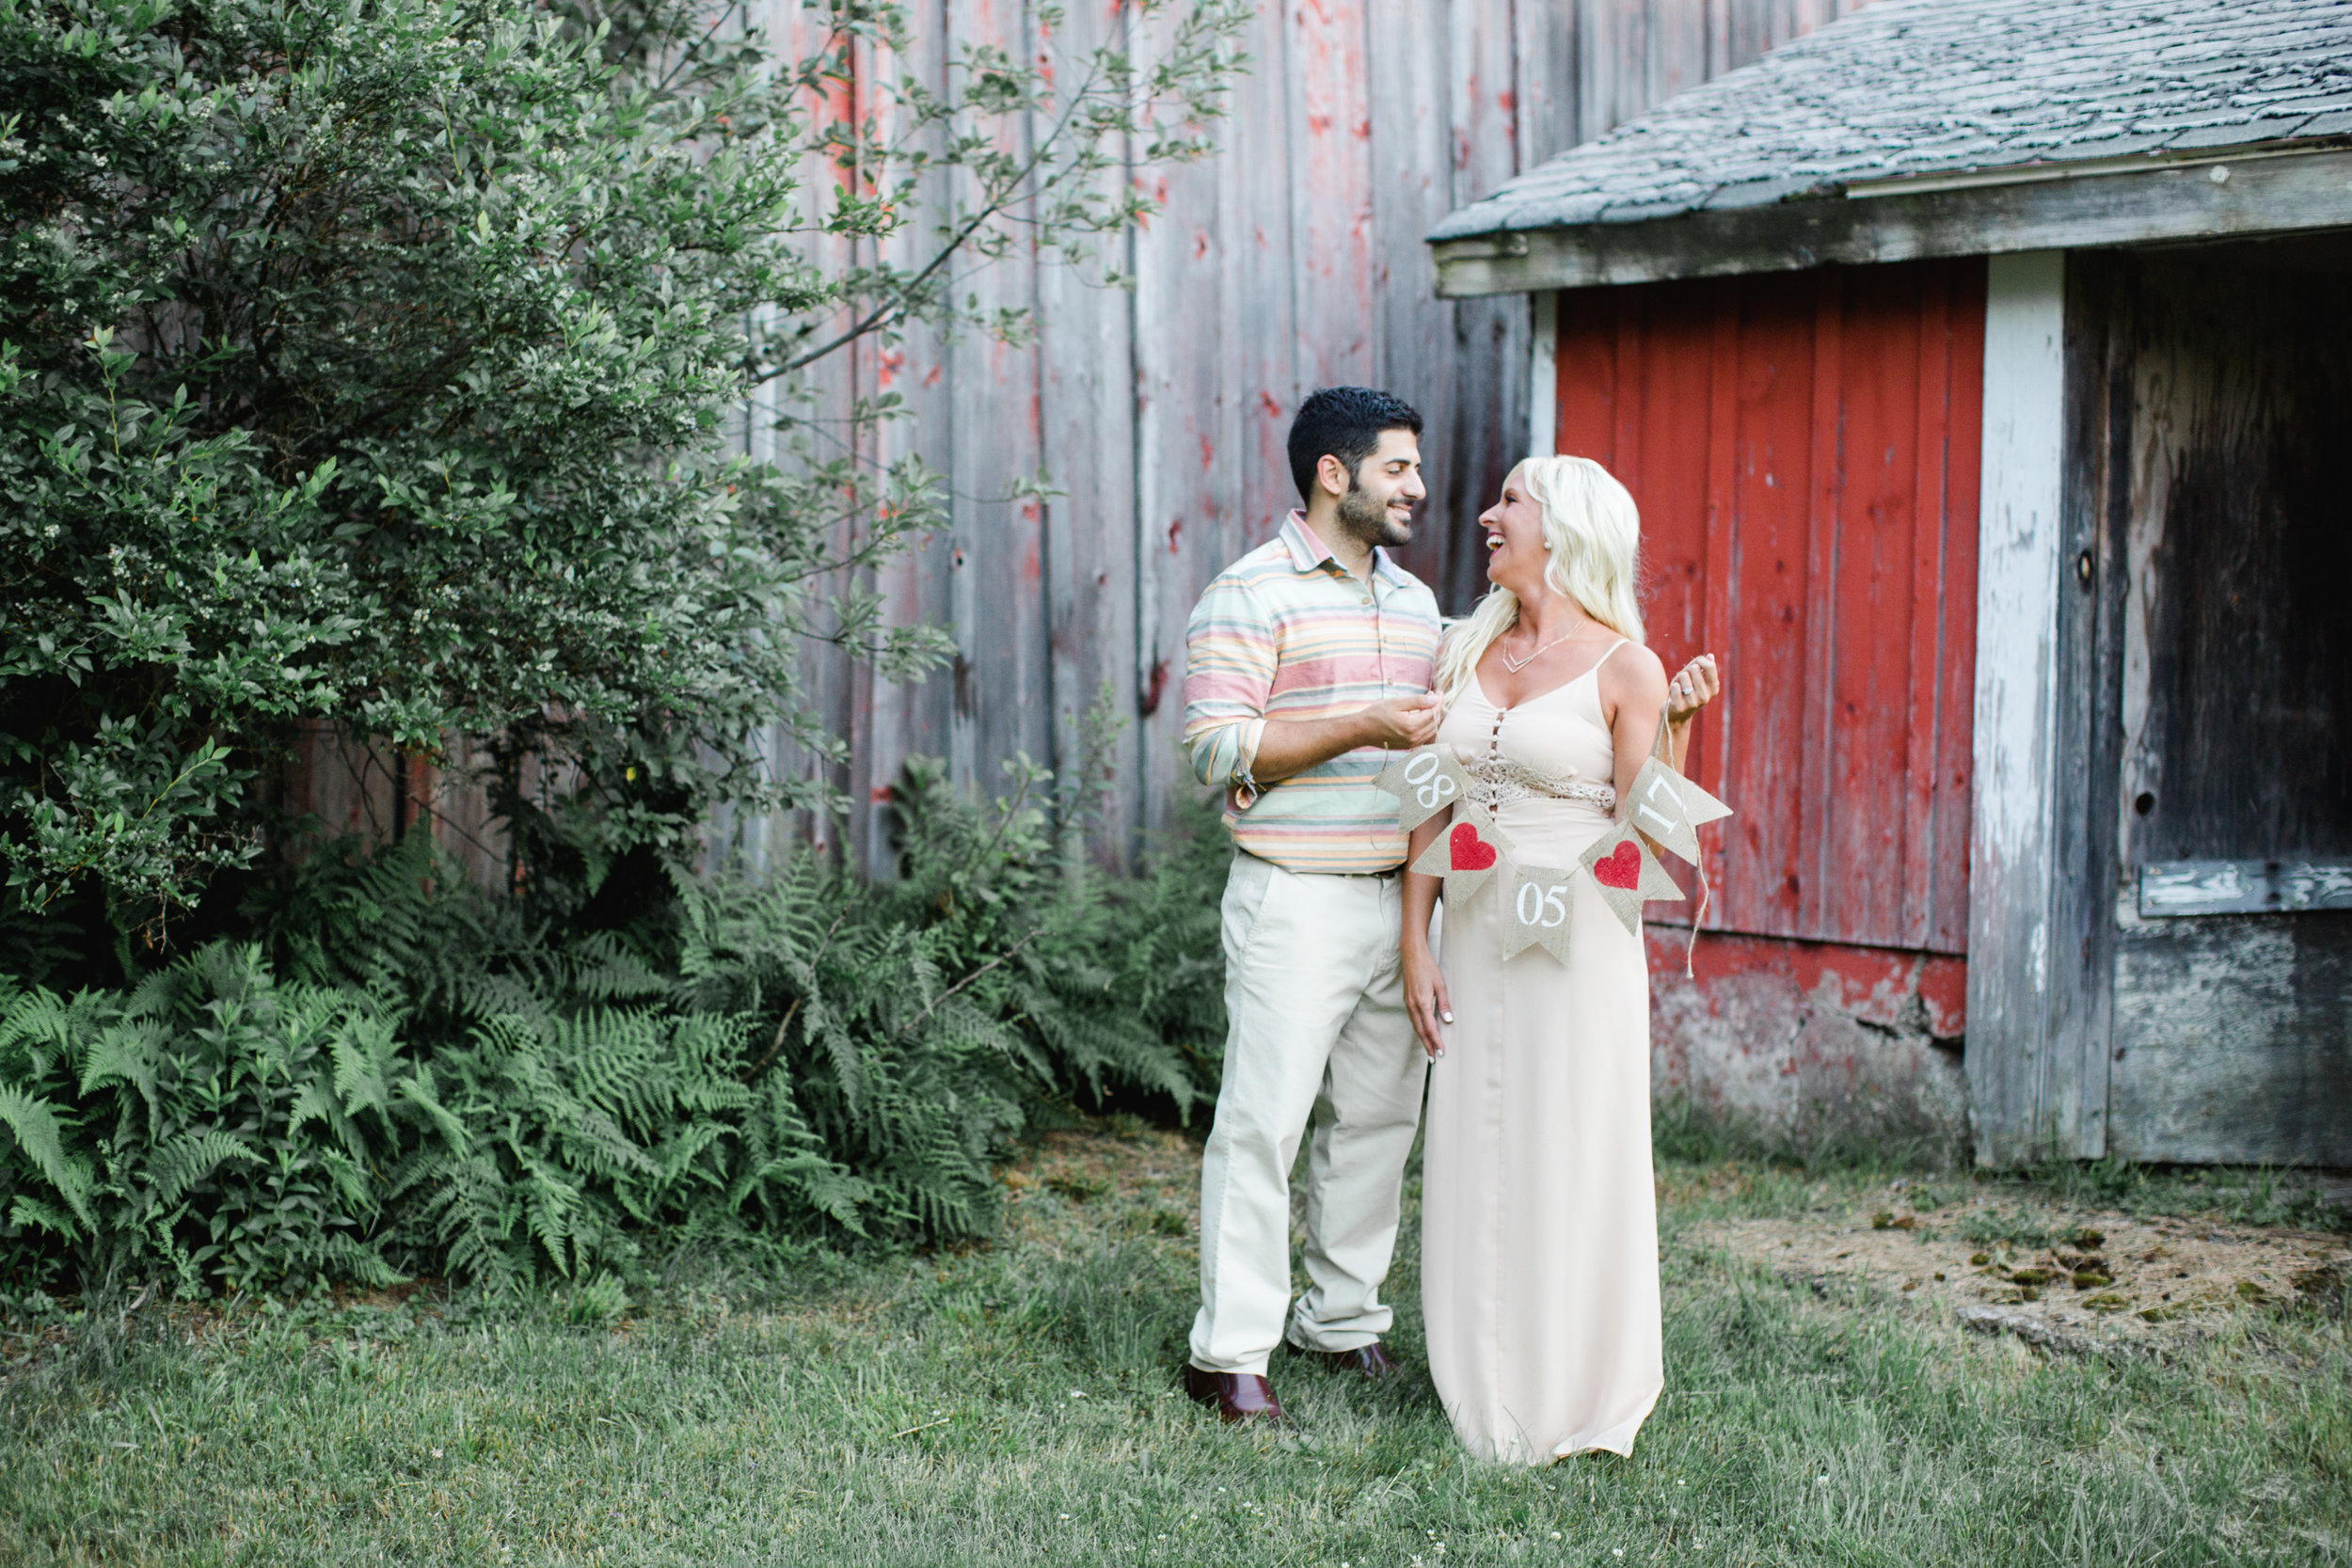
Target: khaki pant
{"type": "Point", "coordinates": [1318, 1028]}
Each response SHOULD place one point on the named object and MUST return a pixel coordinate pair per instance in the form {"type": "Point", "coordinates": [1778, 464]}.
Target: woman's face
{"type": "Point", "coordinates": [1515, 540]}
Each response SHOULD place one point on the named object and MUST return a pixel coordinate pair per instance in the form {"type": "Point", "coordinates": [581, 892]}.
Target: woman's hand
{"type": "Point", "coordinates": [1691, 689]}
{"type": "Point", "coordinates": [1425, 997]}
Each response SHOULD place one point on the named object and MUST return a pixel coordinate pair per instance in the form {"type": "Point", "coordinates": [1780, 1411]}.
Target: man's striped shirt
{"type": "Point", "coordinates": [1286, 633]}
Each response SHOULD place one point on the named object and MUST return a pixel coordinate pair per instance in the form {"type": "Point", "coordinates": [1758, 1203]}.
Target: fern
{"type": "Point", "coordinates": [399, 1073]}
{"type": "Point", "coordinates": [39, 1135]}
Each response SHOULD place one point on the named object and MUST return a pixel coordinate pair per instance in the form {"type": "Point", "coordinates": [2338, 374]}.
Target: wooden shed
{"type": "Point", "coordinates": [1978, 365]}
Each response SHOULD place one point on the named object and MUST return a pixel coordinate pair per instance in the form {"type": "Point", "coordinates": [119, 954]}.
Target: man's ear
{"type": "Point", "coordinates": [1332, 477]}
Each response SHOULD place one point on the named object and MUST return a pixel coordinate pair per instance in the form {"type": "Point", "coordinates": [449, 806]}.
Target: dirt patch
{"type": "Point", "coordinates": [2067, 1278]}
{"type": "Point", "coordinates": [1142, 1179]}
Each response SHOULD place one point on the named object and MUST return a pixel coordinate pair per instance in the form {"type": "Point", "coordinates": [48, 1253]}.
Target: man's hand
{"type": "Point", "coordinates": [1402, 723]}
{"type": "Point", "coordinates": [1292, 746]}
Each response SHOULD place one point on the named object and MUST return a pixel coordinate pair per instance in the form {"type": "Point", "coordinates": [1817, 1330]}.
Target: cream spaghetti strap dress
{"type": "Point", "coordinates": [1539, 1225]}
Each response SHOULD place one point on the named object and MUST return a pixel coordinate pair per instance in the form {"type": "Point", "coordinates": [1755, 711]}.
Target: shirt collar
{"type": "Point", "coordinates": [1308, 552]}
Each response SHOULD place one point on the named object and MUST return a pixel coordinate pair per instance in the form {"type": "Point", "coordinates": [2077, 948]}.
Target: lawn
{"type": "Point", "coordinates": [1014, 1404]}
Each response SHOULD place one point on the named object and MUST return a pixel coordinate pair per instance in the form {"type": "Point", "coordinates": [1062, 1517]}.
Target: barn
{"type": "Point", "coordinates": [1978, 366]}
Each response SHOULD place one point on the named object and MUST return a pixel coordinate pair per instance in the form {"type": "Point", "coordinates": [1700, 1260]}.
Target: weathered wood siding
{"type": "Point", "coordinates": [1803, 451]}
{"type": "Point", "coordinates": [2026, 1091]}
{"type": "Point", "coordinates": [1292, 259]}
{"type": "Point", "coordinates": [1803, 447]}
{"type": "Point", "coordinates": [2223, 379]}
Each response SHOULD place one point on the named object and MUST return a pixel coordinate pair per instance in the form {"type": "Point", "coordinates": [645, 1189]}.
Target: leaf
{"type": "Point", "coordinates": [33, 1123]}
{"type": "Point", "coordinates": [180, 1163]}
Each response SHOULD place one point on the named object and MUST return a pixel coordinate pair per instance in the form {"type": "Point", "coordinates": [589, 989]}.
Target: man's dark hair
{"type": "Point", "coordinates": [1345, 422]}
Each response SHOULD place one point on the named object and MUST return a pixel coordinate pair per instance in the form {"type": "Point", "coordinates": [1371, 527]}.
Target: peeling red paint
{"type": "Point", "coordinates": [1154, 685]}
{"type": "Point", "coordinates": [1944, 988]}
{"type": "Point", "coordinates": [1175, 531]}
{"type": "Point", "coordinates": [1273, 409]}
{"type": "Point", "coordinates": [1208, 455]}
{"type": "Point", "coordinates": [1875, 985]}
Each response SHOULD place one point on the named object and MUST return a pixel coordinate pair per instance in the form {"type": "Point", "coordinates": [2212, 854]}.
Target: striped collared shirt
{"type": "Point", "coordinates": [1286, 633]}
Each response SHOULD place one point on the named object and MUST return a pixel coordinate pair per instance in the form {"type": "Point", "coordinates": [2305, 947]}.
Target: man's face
{"type": "Point", "coordinates": [1379, 506]}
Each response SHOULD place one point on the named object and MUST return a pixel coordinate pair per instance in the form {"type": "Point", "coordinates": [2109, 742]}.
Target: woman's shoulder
{"type": "Point", "coordinates": [1633, 664]}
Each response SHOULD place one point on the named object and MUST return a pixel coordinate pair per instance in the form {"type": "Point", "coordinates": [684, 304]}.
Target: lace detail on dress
{"type": "Point", "coordinates": [1496, 781]}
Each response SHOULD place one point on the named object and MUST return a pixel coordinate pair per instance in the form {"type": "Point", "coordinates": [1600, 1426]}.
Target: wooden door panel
{"type": "Point", "coordinates": [1803, 447]}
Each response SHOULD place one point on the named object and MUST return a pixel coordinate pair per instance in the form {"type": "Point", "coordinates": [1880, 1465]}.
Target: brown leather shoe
{"type": "Point", "coordinates": [1367, 1361]}
{"type": "Point", "coordinates": [1238, 1396]}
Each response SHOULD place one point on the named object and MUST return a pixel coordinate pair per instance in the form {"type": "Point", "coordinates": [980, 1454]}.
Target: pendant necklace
{"type": "Point", "coordinates": [1516, 665]}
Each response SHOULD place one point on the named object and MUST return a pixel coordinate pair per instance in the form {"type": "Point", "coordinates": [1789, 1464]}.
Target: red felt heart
{"type": "Point", "coordinates": [1621, 869]}
{"type": "Point", "coordinates": [1471, 852]}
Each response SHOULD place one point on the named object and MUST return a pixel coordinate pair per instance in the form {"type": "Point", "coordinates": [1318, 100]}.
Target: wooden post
{"type": "Point", "coordinates": [2022, 1104]}
{"type": "Point", "coordinates": [1543, 380]}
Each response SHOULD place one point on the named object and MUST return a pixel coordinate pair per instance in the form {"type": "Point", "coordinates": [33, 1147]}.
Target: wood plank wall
{"type": "Point", "coordinates": [1804, 449]}
{"type": "Point", "coordinates": [1291, 259]}
{"type": "Point", "coordinates": [2224, 394]}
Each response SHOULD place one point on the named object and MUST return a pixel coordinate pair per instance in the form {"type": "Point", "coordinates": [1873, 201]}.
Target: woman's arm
{"type": "Point", "coordinates": [1424, 982]}
{"type": "Point", "coordinates": [1632, 696]}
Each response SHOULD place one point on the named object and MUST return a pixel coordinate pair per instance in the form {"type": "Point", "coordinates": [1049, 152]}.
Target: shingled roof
{"type": "Point", "coordinates": [1907, 94]}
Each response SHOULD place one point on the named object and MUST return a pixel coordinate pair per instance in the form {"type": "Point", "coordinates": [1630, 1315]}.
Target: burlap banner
{"type": "Point", "coordinates": [1628, 875]}
{"type": "Point", "coordinates": [1671, 809]}
{"type": "Point", "coordinates": [1537, 912]}
{"type": "Point", "coordinates": [1424, 783]}
{"type": "Point", "coordinates": [1465, 855]}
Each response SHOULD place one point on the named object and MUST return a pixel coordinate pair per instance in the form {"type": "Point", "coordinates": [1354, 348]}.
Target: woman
{"type": "Point", "coordinates": [1539, 1232]}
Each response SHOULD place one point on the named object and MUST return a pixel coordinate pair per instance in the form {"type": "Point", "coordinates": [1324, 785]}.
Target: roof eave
{"type": "Point", "coordinates": [2218, 193]}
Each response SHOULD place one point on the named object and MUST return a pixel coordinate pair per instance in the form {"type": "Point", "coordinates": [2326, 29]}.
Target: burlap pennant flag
{"type": "Point", "coordinates": [1465, 855]}
{"type": "Point", "coordinates": [1628, 875]}
{"type": "Point", "coordinates": [1537, 912]}
{"type": "Point", "coordinates": [1671, 809]}
{"type": "Point", "coordinates": [1424, 783]}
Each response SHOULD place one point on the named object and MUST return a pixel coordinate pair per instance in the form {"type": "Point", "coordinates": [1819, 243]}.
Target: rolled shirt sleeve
{"type": "Point", "coordinates": [1230, 657]}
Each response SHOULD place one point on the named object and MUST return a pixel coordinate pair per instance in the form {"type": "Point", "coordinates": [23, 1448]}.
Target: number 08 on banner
{"type": "Point", "coordinates": [1424, 783]}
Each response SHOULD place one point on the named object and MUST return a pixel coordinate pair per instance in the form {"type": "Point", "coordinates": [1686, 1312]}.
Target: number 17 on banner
{"type": "Point", "coordinates": [1671, 809]}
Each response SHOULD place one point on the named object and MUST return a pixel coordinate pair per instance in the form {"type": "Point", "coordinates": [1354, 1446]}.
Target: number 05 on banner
{"type": "Point", "coordinates": [1538, 911]}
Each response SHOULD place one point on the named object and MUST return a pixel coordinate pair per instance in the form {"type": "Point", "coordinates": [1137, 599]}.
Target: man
{"type": "Point", "coordinates": [1308, 660]}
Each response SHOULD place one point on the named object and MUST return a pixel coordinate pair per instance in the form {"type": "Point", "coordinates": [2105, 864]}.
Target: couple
{"type": "Point", "coordinates": [1310, 659]}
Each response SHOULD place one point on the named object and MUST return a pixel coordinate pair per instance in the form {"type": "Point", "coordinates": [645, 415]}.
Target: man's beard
{"type": "Point", "coordinates": [1367, 518]}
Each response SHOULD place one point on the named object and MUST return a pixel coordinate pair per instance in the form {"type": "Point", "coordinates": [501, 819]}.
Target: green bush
{"type": "Point", "coordinates": [386, 371]}
{"type": "Point", "coordinates": [402, 1075]}
{"type": "Point", "coordinates": [387, 367]}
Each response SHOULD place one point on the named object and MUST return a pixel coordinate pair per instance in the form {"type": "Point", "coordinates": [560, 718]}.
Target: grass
{"type": "Point", "coordinates": [1013, 1404]}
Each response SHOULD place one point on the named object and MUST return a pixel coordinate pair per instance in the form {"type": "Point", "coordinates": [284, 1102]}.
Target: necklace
{"type": "Point", "coordinates": [1516, 665]}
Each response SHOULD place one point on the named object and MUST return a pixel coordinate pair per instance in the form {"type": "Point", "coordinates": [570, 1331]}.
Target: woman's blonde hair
{"type": "Point", "coordinates": [1593, 539]}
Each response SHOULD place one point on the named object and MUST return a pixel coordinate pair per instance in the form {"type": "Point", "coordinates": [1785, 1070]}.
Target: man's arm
{"type": "Point", "coordinates": [1290, 746]}
{"type": "Point", "coordinates": [1229, 674]}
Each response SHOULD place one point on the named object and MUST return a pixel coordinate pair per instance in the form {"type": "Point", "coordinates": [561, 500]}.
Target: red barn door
{"type": "Point", "coordinates": [1803, 447]}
